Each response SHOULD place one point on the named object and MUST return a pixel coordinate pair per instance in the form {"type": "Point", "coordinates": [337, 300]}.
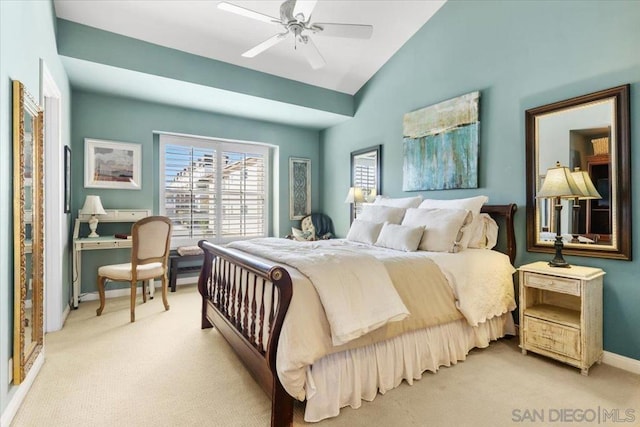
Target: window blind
{"type": "Point", "coordinates": [212, 189]}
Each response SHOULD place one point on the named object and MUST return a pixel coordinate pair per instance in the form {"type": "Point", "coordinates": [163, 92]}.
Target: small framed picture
{"type": "Point", "coordinates": [111, 164]}
{"type": "Point", "coordinates": [299, 187]}
{"type": "Point", "coordinates": [67, 179]}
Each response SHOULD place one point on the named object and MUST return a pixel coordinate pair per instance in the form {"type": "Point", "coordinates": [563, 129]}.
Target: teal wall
{"type": "Point", "coordinates": [27, 33]}
{"type": "Point", "coordinates": [106, 117]}
{"type": "Point", "coordinates": [519, 55]}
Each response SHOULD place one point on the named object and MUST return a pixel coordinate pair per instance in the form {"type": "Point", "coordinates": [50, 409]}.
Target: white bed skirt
{"type": "Point", "coordinates": [347, 377]}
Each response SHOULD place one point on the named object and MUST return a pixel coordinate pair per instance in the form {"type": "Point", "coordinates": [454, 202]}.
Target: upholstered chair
{"type": "Point", "coordinates": [150, 238]}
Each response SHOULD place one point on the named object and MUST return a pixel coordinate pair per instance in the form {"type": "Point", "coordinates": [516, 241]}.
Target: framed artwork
{"type": "Point", "coordinates": [299, 187]}
{"type": "Point", "coordinates": [111, 164]}
{"type": "Point", "coordinates": [67, 179]}
{"type": "Point", "coordinates": [440, 145]}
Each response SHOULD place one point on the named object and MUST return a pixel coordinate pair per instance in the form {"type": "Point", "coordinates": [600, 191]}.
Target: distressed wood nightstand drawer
{"type": "Point", "coordinates": [552, 283]}
{"type": "Point", "coordinates": [552, 337]}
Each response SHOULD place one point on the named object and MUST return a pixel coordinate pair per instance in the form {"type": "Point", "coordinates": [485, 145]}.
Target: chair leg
{"type": "Point", "coordinates": [101, 293]}
{"type": "Point", "coordinates": [164, 291]}
{"type": "Point", "coordinates": [144, 291]}
{"type": "Point", "coordinates": [134, 286]}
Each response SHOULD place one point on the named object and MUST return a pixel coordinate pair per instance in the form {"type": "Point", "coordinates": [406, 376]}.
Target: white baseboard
{"type": "Point", "coordinates": [115, 293]}
{"type": "Point", "coordinates": [622, 362]}
{"type": "Point", "coordinates": [21, 391]}
{"type": "Point", "coordinates": [65, 314]}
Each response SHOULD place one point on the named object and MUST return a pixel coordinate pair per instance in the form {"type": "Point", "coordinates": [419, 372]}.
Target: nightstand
{"type": "Point", "coordinates": [561, 313]}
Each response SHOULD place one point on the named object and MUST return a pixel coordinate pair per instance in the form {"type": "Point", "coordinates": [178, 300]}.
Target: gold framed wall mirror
{"type": "Point", "coordinates": [28, 232]}
{"type": "Point", "coordinates": [588, 133]}
{"type": "Point", "coordinates": [366, 167]}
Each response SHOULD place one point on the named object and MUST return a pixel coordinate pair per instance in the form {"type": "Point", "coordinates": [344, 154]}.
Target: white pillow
{"type": "Point", "coordinates": [302, 236]}
{"type": "Point", "coordinates": [484, 234]}
{"type": "Point", "coordinates": [472, 204]}
{"type": "Point", "coordinates": [364, 231]}
{"type": "Point", "coordinates": [400, 237]}
{"type": "Point", "coordinates": [443, 227]}
{"type": "Point", "coordinates": [399, 202]}
{"type": "Point", "coordinates": [381, 214]}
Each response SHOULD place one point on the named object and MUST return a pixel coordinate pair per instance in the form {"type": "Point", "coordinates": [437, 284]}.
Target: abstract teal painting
{"type": "Point", "coordinates": [440, 145]}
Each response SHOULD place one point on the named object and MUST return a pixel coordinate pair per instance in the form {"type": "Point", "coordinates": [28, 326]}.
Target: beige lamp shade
{"type": "Point", "coordinates": [584, 183]}
{"type": "Point", "coordinates": [354, 195]}
{"type": "Point", "coordinates": [93, 206]}
{"type": "Point", "coordinates": [559, 183]}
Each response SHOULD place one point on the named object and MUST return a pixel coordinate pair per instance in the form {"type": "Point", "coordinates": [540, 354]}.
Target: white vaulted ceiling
{"type": "Point", "coordinates": [198, 27]}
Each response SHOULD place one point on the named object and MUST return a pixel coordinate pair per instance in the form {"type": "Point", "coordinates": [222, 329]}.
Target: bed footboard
{"type": "Point", "coordinates": [246, 301]}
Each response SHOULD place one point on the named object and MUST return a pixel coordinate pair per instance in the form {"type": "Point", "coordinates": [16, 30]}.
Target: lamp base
{"type": "Point", "coordinates": [558, 260]}
{"type": "Point", "coordinates": [93, 225]}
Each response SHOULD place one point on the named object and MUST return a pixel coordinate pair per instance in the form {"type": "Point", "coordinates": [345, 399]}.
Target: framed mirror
{"type": "Point", "coordinates": [366, 165]}
{"type": "Point", "coordinates": [28, 233]}
{"type": "Point", "coordinates": [588, 133]}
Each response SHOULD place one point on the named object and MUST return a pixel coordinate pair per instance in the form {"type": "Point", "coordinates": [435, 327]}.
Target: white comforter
{"type": "Point", "coordinates": [355, 289]}
{"type": "Point", "coordinates": [480, 283]}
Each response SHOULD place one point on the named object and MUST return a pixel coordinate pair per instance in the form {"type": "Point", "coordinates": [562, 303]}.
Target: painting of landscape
{"type": "Point", "coordinates": [440, 145]}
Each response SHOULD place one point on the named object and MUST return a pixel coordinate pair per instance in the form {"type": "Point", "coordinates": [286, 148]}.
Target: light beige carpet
{"type": "Point", "coordinates": [163, 370]}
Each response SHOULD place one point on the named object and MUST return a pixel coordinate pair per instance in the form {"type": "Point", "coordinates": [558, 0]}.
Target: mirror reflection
{"type": "Point", "coordinates": [365, 176]}
{"type": "Point", "coordinates": [28, 231]}
{"type": "Point", "coordinates": [590, 136]}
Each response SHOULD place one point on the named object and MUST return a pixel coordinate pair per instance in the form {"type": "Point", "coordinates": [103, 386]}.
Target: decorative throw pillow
{"type": "Point", "coordinates": [381, 214]}
{"type": "Point", "coordinates": [472, 204]}
{"type": "Point", "coordinates": [443, 227]}
{"type": "Point", "coordinates": [400, 237]}
{"type": "Point", "coordinates": [485, 234]}
{"type": "Point", "coordinates": [398, 202]}
{"type": "Point", "coordinates": [303, 236]}
{"type": "Point", "coordinates": [189, 250]}
{"type": "Point", "coordinates": [364, 231]}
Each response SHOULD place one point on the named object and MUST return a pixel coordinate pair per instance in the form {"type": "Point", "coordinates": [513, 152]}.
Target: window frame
{"type": "Point", "coordinates": [220, 146]}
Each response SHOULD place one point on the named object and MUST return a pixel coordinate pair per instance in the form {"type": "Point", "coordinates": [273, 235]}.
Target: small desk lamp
{"type": "Point", "coordinates": [584, 183]}
{"type": "Point", "coordinates": [559, 184]}
{"type": "Point", "coordinates": [93, 206]}
{"type": "Point", "coordinates": [354, 196]}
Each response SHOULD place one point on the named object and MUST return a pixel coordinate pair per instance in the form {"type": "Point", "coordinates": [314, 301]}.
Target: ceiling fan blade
{"type": "Point", "coordinates": [355, 31]}
{"type": "Point", "coordinates": [270, 42]}
{"type": "Point", "coordinates": [304, 8]}
{"type": "Point", "coordinates": [313, 55]}
{"type": "Point", "coordinates": [248, 13]}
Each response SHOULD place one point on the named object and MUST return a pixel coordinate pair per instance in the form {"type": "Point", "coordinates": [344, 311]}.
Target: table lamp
{"type": "Point", "coordinates": [589, 192]}
{"type": "Point", "coordinates": [354, 196]}
{"type": "Point", "coordinates": [559, 184]}
{"type": "Point", "coordinates": [93, 206]}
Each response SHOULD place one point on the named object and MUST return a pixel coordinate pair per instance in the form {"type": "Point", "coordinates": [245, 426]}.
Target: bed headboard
{"type": "Point", "coordinates": [503, 214]}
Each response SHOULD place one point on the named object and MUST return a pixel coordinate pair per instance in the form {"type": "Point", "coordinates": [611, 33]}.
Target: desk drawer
{"type": "Point", "coordinates": [113, 244]}
{"type": "Point", "coordinates": [552, 337]}
{"type": "Point", "coordinates": [552, 283]}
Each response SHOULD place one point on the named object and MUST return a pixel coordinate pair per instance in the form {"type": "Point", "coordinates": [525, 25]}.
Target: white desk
{"type": "Point", "coordinates": [99, 243]}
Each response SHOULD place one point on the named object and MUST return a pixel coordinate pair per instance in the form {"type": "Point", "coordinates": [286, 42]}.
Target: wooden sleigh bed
{"type": "Point", "coordinates": [246, 299]}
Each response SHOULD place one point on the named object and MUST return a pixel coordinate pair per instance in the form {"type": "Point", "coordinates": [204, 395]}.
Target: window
{"type": "Point", "coordinates": [212, 189]}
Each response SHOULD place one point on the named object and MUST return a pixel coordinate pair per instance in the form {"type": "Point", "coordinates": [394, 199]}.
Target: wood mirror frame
{"type": "Point", "coordinates": [366, 167]}
{"type": "Point", "coordinates": [615, 177]}
{"type": "Point", "coordinates": [28, 232]}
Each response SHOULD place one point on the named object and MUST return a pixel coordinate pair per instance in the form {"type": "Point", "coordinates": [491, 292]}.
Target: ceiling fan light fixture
{"type": "Point", "coordinates": [295, 16]}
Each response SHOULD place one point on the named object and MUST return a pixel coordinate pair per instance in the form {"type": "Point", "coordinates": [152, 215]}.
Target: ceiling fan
{"type": "Point", "coordinates": [295, 17]}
